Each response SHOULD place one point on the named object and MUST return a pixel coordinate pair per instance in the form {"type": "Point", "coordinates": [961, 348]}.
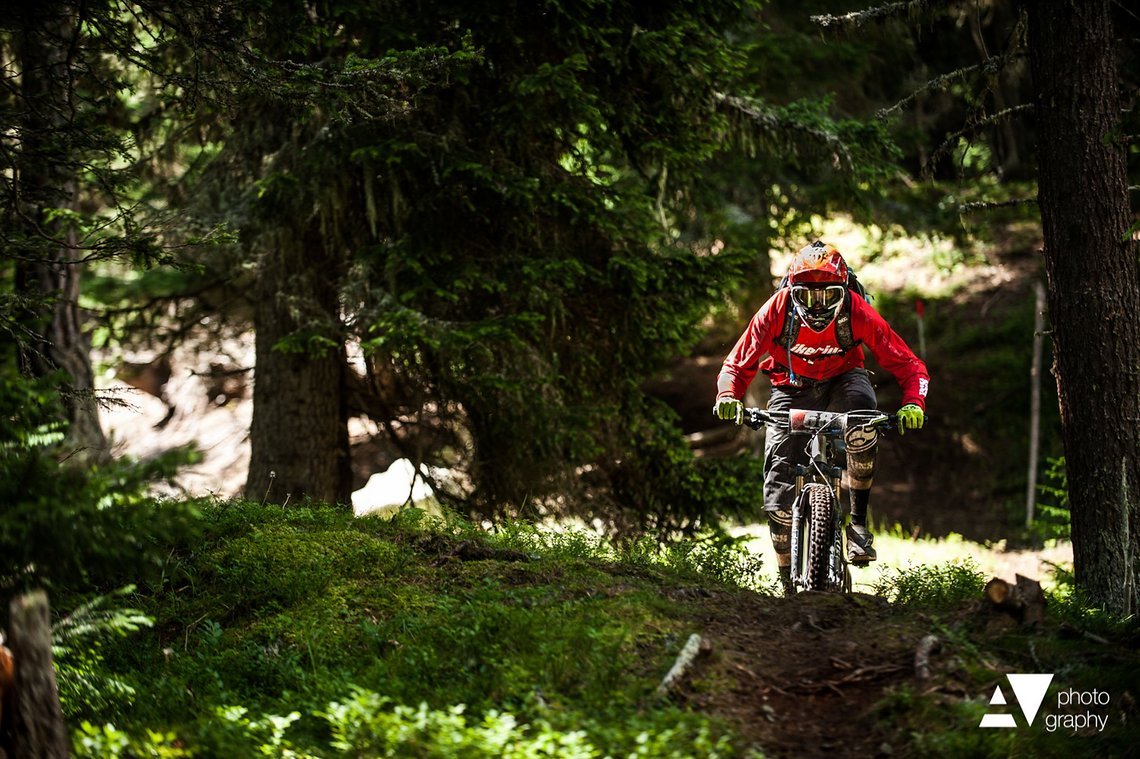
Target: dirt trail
{"type": "Point", "coordinates": [797, 676]}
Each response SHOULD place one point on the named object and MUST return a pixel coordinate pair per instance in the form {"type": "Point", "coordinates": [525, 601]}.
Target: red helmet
{"type": "Point", "coordinates": [818, 279]}
{"type": "Point", "coordinates": [818, 262]}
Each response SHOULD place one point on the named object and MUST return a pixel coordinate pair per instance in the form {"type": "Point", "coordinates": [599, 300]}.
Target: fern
{"type": "Point", "coordinates": [85, 685]}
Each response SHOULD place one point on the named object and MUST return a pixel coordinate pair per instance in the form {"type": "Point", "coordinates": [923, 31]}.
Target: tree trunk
{"type": "Point", "coordinates": [49, 273]}
{"type": "Point", "coordinates": [37, 723]}
{"type": "Point", "coordinates": [299, 434]}
{"type": "Point", "coordinates": [1094, 288]}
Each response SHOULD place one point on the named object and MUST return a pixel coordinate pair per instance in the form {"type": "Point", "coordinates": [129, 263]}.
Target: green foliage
{"type": "Point", "coordinates": [367, 724]}
{"type": "Point", "coordinates": [61, 524]}
{"type": "Point", "coordinates": [540, 635]}
{"type": "Point", "coordinates": [710, 557]}
{"type": "Point", "coordinates": [84, 682]}
{"type": "Point", "coordinates": [1053, 518]}
{"type": "Point", "coordinates": [661, 486]}
{"type": "Point", "coordinates": [1070, 605]}
{"type": "Point", "coordinates": [938, 586]}
{"type": "Point", "coordinates": [90, 741]}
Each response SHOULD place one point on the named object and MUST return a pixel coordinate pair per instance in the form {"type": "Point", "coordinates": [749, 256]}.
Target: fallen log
{"type": "Point", "coordinates": [999, 592]}
{"type": "Point", "coordinates": [1033, 598]}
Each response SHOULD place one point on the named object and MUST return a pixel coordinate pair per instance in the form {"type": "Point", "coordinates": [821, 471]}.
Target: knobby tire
{"type": "Point", "coordinates": [818, 533]}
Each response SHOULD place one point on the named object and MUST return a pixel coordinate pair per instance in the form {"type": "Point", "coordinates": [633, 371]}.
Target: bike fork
{"type": "Point", "coordinates": [838, 563]}
{"type": "Point", "coordinates": [797, 528]}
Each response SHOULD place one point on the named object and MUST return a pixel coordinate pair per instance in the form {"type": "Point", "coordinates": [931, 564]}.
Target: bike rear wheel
{"type": "Point", "coordinates": [819, 531]}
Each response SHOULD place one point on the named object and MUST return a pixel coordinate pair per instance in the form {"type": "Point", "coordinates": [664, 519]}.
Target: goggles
{"type": "Point", "coordinates": [818, 297]}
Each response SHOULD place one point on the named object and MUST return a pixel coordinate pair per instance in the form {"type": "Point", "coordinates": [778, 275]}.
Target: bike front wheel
{"type": "Point", "coordinates": [819, 533]}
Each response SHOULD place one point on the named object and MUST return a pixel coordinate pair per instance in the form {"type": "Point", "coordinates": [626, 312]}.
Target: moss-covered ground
{"type": "Point", "coordinates": [306, 632]}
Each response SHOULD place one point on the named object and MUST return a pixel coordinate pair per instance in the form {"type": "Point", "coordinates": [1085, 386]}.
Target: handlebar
{"type": "Point", "coordinates": [799, 420]}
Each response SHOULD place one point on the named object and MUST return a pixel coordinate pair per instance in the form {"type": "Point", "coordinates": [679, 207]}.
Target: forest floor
{"type": "Point", "coordinates": [798, 677]}
{"type": "Point", "coordinates": [820, 674]}
{"type": "Point", "coordinates": [286, 611]}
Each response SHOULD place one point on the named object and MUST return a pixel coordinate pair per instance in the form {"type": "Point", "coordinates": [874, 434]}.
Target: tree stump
{"type": "Point", "coordinates": [37, 728]}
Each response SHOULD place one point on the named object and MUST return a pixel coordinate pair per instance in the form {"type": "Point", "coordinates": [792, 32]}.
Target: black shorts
{"type": "Point", "coordinates": [849, 391]}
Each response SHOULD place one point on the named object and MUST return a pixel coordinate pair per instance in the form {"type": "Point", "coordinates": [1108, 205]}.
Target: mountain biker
{"type": "Point", "coordinates": [806, 338]}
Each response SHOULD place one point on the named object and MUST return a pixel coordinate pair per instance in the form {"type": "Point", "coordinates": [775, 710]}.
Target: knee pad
{"type": "Point", "coordinates": [861, 442]}
{"type": "Point", "coordinates": [860, 439]}
{"type": "Point", "coordinates": [780, 525]}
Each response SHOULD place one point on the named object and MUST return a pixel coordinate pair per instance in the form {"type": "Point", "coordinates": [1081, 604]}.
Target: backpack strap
{"type": "Point", "coordinates": [843, 334]}
{"type": "Point", "coordinates": [787, 337]}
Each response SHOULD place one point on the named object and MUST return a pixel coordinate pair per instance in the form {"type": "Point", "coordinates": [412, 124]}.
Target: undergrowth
{"type": "Point", "coordinates": [307, 632]}
{"type": "Point", "coordinates": [932, 586]}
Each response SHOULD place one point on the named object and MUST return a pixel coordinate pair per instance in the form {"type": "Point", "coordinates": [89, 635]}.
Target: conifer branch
{"type": "Point", "coordinates": [973, 126]}
{"type": "Point", "coordinates": [989, 205]}
{"type": "Point", "coordinates": [773, 124]}
{"type": "Point", "coordinates": [991, 66]}
{"type": "Point", "coordinates": [859, 18]}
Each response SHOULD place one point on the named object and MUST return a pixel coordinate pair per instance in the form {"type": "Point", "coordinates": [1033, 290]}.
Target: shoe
{"type": "Point", "coordinates": [859, 540]}
{"type": "Point", "coordinates": [786, 581]}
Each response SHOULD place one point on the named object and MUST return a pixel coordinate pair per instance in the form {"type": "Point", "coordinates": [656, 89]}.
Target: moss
{"type": "Point", "coordinates": [291, 610]}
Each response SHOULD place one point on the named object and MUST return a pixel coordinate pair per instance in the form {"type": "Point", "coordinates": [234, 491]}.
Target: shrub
{"type": "Point", "coordinates": [932, 586]}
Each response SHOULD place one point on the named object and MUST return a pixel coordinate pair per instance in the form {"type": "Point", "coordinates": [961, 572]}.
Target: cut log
{"type": "Point", "coordinates": [1025, 601]}
{"type": "Point", "coordinates": [1033, 600]}
{"type": "Point", "coordinates": [37, 727]}
{"type": "Point", "coordinates": [7, 691]}
{"type": "Point", "coordinates": [998, 591]}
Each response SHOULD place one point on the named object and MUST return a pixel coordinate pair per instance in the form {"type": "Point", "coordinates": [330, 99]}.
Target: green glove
{"type": "Point", "coordinates": [910, 418]}
{"type": "Point", "coordinates": [729, 408]}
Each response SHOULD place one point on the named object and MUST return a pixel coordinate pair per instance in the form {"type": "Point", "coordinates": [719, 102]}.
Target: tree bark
{"type": "Point", "coordinates": [1094, 288]}
{"type": "Point", "coordinates": [37, 723]}
{"type": "Point", "coordinates": [49, 273]}
{"type": "Point", "coordinates": [299, 435]}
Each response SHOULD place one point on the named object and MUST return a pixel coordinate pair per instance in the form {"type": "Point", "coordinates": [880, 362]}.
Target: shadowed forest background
{"type": "Point", "coordinates": [257, 254]}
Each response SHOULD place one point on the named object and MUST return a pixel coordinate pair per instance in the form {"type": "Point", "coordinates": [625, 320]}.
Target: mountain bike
{"type": "Point", "coordinates": [819, 540]}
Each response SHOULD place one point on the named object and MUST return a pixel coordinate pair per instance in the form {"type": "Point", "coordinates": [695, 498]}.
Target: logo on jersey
{"type": "Point", "coordinates": [800, 349]}
{"type": "Point", "coordinates": [923, 386]}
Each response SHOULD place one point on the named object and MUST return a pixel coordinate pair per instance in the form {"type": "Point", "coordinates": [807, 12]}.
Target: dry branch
{"type": "Point", "coordinates": [694, 647]}
{"type": "Point", "coordinates": [859, 675]}
{"type": "Point", "coordinates": [929, 645]}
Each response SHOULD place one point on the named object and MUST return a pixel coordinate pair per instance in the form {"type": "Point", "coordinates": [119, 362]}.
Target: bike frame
{"type": "Point", "coordinates": [825, 451]}
{"type": "Point", "coordinates": [827, 460]}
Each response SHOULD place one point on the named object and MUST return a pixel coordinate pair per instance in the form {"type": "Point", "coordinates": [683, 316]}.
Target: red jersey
{"type": "Point", "coordinates": [817, 355]}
